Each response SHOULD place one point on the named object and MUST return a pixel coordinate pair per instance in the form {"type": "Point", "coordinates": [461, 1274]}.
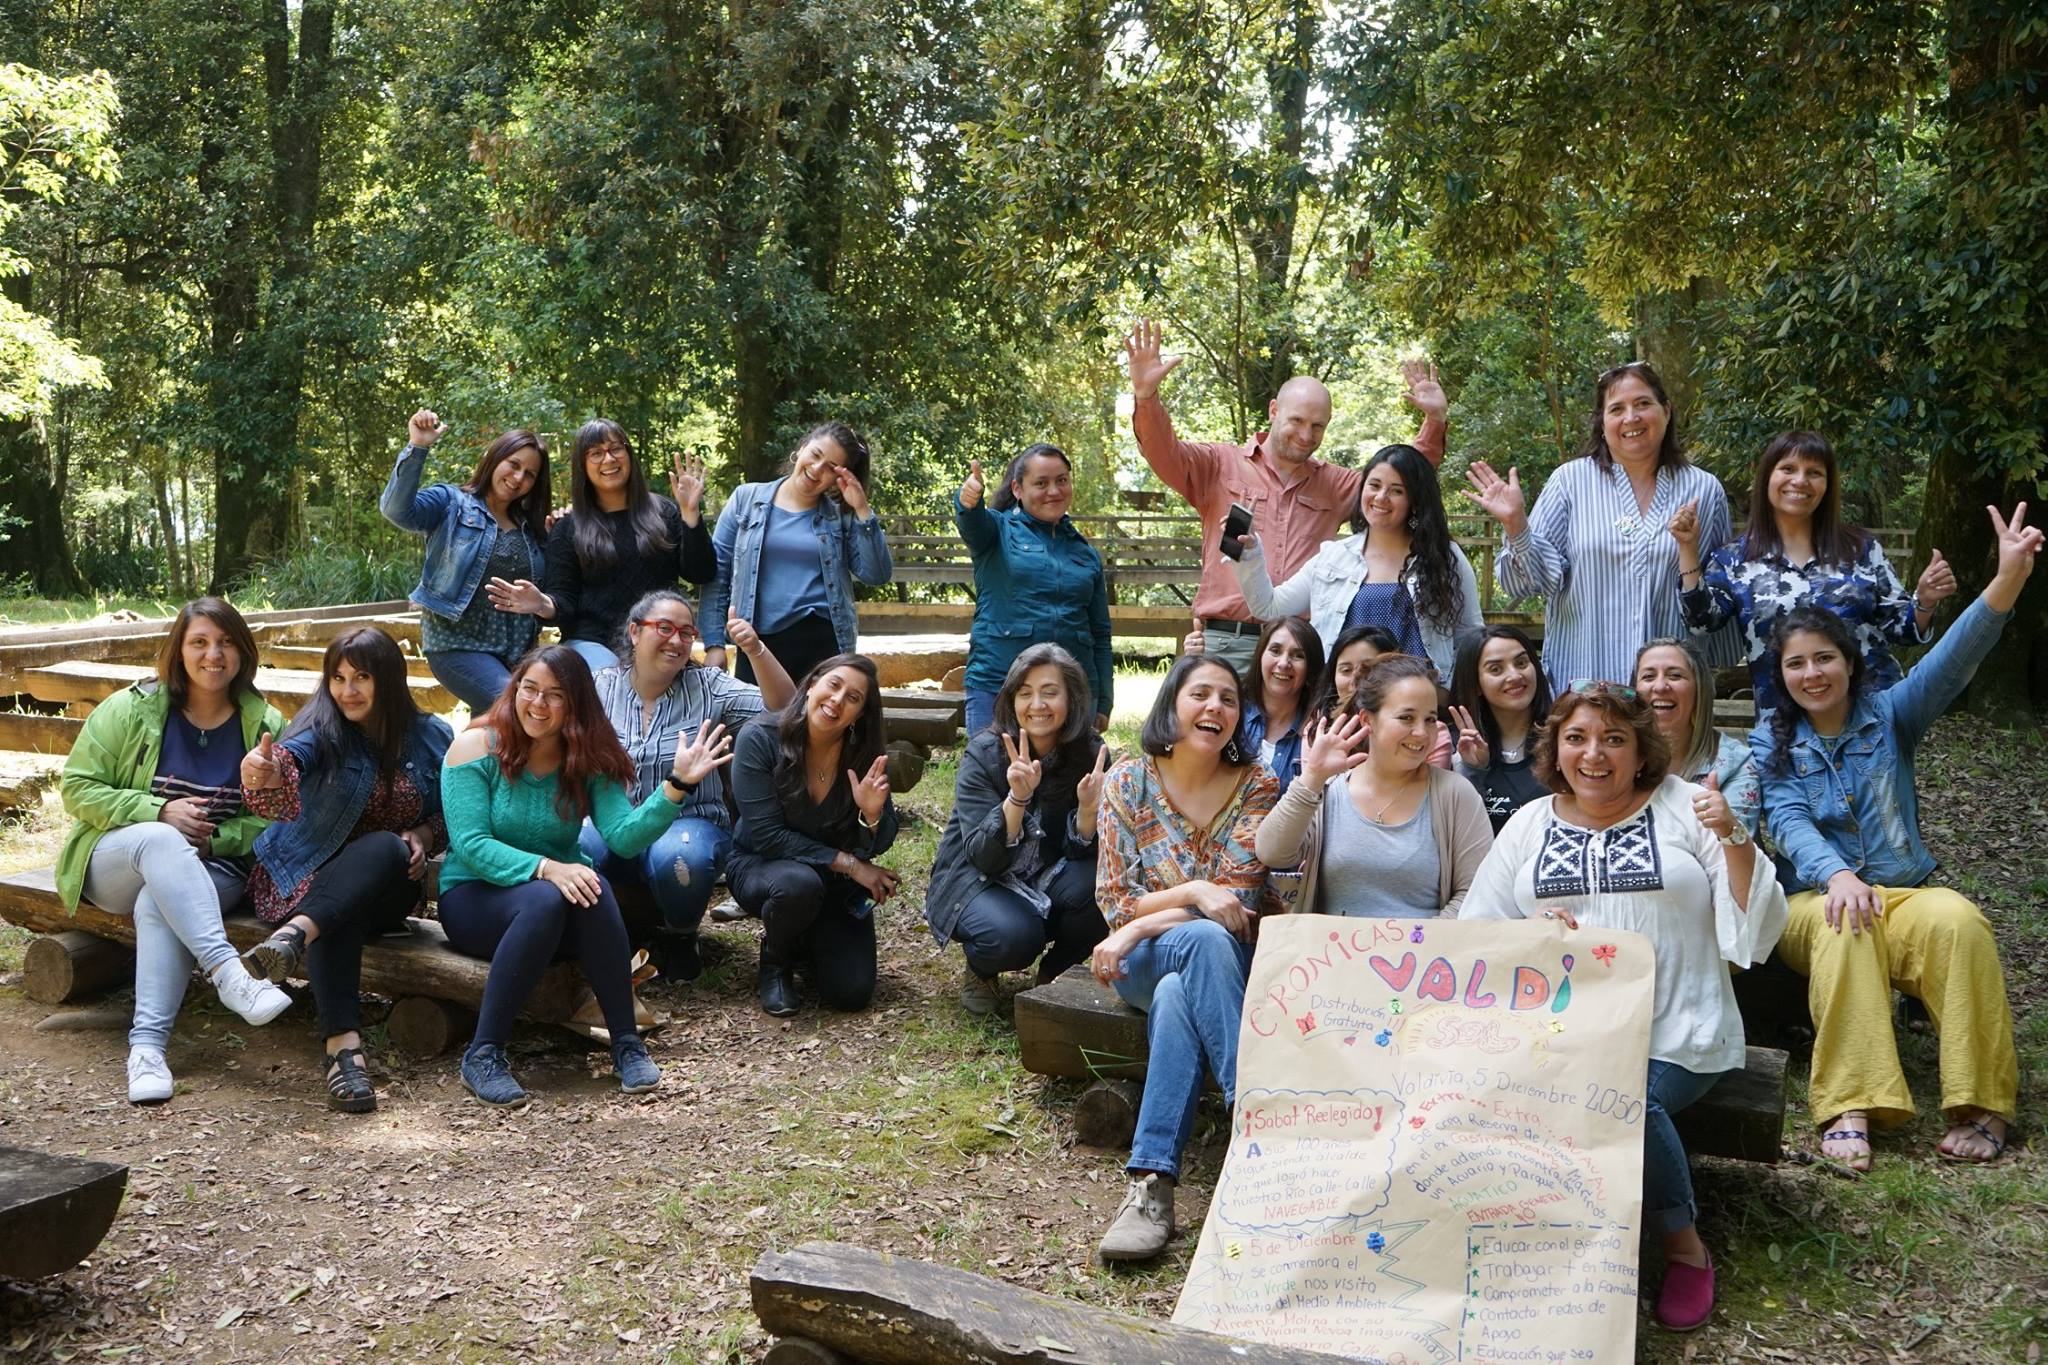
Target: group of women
{"type": "Point", "coordinates": [1388, 755]}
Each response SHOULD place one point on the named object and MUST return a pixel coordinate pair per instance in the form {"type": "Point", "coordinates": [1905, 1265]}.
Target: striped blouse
{"type": "Point", "coordinates": [1608, 571]}
{"type": "Point", "coordinates": [1145, 845]}
{"type": "Point", "coordinates": [697, 698]}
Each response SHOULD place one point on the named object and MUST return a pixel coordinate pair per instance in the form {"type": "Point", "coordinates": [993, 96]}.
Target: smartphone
{"type": "Point", "coordinates": [1235, 528]}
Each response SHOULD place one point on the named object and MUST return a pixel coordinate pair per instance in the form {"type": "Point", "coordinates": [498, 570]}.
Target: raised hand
{"type": "Point", "coordinates": [2018, 542]}
{"type": "Point", "coordinates": [871, 793]}
{"type": "Point", "coordinates": [1196, 641]}
{"type": "Point", "coordinates": [686, 481]}
{"type": "Point", "coordinates": [1424, 393]}
{"type": "Point", "coordinates": [742, 634]}
{"type": "Point", "coordinates": [1937, 584]}
{"type": "Point", "coordinates": [1148, 367]}
{"type": "Point", "coordinates": [577, 883]}
{"type": "Point", "coordinates": [1712, 809]}
{"type": "Point", "coordinates": [1088, 791]}
{"type": "Point", "coordinates": [695, 761]}
{"type": "Point", "coordinates": [425, 429]}
{"type": "Point", "coordinates": [1024, 772]}
{"type": "Point", "coordinates": [259, 768]}
{"type": "Point", "coordinates": [1472, 750]}
{"type": "Point", "coordinates": [850, 492]}
{"type": "Point", "coordinates": [1327, 748]}
{"type": "Point", "coordinates": [521, 596]}
{"type": "Point", "coordinates": [970, 488]}
{"type": "Point", "coordinates": [1499, 498]}
{"type": "Point", "coordinates": [1685, 527]}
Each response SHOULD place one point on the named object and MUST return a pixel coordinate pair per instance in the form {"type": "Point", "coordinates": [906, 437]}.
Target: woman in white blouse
{"type": "Point", "coordinates": [1625, 845]}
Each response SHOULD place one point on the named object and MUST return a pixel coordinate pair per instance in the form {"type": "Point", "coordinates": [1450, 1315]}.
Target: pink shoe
{"type": "Point", "coordinates": [1687, 1300]}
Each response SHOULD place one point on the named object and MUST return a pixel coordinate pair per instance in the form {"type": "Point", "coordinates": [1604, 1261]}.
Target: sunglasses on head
{"type": "Point", "coordinates": [1600, 687]}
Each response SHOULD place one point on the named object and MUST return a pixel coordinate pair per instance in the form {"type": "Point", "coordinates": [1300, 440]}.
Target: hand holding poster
{"type": "Point", "coordinates": [1436, 1152]}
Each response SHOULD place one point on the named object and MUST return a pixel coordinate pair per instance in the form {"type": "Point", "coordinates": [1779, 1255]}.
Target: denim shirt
{"type": "Point", "coordinates": [1848, 803]}
{"type": "Point", "coordinates": [1286, 763]}
{"type": "Point", "coordinates": [332, 797]}
{"type": "Point", "coordinates": [458, 529]}
{"type": "Point", "coordinates": [1035, 582]}
{"type": "Point", "coordinates": [848, 548]}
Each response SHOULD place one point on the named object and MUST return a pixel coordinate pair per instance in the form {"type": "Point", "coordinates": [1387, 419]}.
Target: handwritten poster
{"type": "Point", "coordinates": [1436, 1153]}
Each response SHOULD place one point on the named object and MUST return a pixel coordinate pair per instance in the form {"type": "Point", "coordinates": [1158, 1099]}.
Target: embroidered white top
{"type": "Point", "coordinates": [1661, 874]}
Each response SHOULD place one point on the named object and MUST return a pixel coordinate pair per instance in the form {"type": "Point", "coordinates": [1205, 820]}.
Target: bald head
{"type": "Point", "coordinates": [1300, 412]}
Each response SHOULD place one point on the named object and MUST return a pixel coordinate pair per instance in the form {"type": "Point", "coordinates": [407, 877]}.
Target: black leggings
{"type": "Point", "coordinates": [808, 919]}
{"type": "Point", "coordinates": [521, 929]}
{"type": "Point", "coordinates": [360, 890]}
{"type": "Point", "coordinates": [1002, 932]}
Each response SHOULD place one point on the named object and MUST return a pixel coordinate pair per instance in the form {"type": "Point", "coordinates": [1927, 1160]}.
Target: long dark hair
{"type": "Point", "coordinates": [847, 439]}
{"type": "Point", "coordinates": [392, 710]}
{"type": "Point", "coordinates": [1785, 716]}
{"type": "Point", "coordinates": [590, 747]}
{"type": "Point", "coordinates": [529, 509]}
{"type": "Point", "coordinates": [1440, 596]}
{"type": "Point", "coordinates": [862, 745]}
{"type": "Point", "coordinates": [1465, 689]}
{"type": "Point", "coordinates": [1074, 747]}
{"type": "Point", "coordinates": [1311, 667]}
{"type": "Point", "coordinates": [1669, 454]}
{"type": "Point", "coordinates": [1834, 541]}
{"type": "Point", "coordinates": [594, 549]}
{"type": "Point", "coordinates": [170, 657]}
{"type": "Point", "coordinates": [1379, 637]}
{"type": "Point", "coordinates": [1162, 726]}
{"type": "Point", "coordinates": [1004, 497]}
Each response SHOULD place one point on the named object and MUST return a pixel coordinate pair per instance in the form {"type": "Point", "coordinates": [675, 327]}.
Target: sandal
{"type": "Point", "coordinates": [348, 1082]}
{"type": "Point", "coordinates": [1856, 1138]}
{"type": "Point", "coordinates": [1981, 1129]}
{"type": "Point", "coordinates": [277, 958]}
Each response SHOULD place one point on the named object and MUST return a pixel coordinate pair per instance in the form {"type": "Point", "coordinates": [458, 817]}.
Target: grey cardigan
{"type": "Point", "coordinates": [1293, 836]}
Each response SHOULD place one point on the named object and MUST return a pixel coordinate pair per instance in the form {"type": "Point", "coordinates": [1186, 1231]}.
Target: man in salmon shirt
{"type": "Point", "coordinates": [1297, 501]}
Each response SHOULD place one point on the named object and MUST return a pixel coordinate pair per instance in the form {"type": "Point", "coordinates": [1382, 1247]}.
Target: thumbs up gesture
{"type": "Point", "coordinates": [1712, 808]}
{"type": "Point", "coordinates": [970, 490]}
{"type": "Point", "coordinates": [259, 767]}
{"type": "Point", "coordinates": [1196, 641]}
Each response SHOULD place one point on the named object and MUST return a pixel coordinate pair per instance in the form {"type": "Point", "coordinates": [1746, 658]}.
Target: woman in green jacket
{"type": "Point", "coordinates": [159, 830]}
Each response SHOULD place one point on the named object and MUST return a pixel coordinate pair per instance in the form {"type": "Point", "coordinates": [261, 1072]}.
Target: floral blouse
{"type": "Point", "coordinates": [1145, 845]}
{"type": "Point", "coordinates": [394, 808]}
{"type": "Point", "coordinates": [1867, 595]}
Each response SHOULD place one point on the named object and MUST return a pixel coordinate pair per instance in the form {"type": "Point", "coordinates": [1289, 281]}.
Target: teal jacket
{"type": "Point", "coordinates": [106, 779]}
{"type": "Point", "coordinates": [1033, 583]}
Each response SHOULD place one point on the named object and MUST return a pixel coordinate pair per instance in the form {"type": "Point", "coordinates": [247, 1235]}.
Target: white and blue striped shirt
{"type": "Point", "coordinates": [1608, 571]}
{"type": "Point", "coordinates": [697, 698]}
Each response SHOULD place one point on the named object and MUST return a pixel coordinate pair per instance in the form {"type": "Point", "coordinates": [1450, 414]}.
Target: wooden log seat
{"type": "Point", "coordinates": [54, 1210]}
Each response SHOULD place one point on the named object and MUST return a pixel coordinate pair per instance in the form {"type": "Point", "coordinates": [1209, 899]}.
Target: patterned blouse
{"type": "Point", "coordinates": [394, 808]}
{"type": "Point", "coordinates": [482, 627]}
{"type": "Point", "coordinates": [1867, 595]}
{"type": "Point", "coordinates": [1145, 845]}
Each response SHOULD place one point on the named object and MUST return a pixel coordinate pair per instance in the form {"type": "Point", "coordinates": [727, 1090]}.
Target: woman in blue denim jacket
{"type": "Point", "coordinates": [485, 553]}
{"type": "Point", "coordinates": [353, 792]}
{"type": "Point", "coordinates": [1036, 579]}
{"type": "Point", "coordinates": [1840, 804]}
{"type": "Point", "coordinates": [789, 552]}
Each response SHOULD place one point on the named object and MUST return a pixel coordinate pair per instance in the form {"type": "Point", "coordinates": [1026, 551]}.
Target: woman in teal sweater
{"type": "Point", "coordinates": [516, 889]}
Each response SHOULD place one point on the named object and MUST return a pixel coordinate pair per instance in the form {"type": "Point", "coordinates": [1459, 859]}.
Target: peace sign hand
{"type": "Point", "coordinates": [1499, 498]}
{"type": "Point", "coordinates": [1685, 527]}
{"type": "Point", "coordinates": [871, 793]}
{"type": "Point", "coordinates": [2018, 543]}
{"type": "Point", "coordinates": [970, 490]}
{"type": "Point", "coordinates": [686, 479]}
{"type": "Point", "coordinates": [1088, 791]}
{"type": "Point", "coordinates": [1424, 393]}
{"type": "Point", "coordinates": [1024, 772]}
{"type": "Point", "coordinates": [712, 748]}
{"type": "Point", "coordinates": [851, 492]}
{"type": "Point", "coordinates": [425, 429]}
{"type": "Point", "coordinates": [1148, 367]}
{"type": "Point", "coordinates": [1327, 748]}
{"type": "Point", "coordinates": [1472, 750]}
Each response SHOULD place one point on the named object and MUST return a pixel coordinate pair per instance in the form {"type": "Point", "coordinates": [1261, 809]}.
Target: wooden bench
{"type": "Point", "coordinates": [1077, 1027]}
{"type": "Point", "coordinates": [832, 1304]}
{"type": "Point", "coordinates": [436, 990]}
{"type": "Point", "coordinates": [88, 684]}
{"type": "Point", "coordinates": [54, 1210]}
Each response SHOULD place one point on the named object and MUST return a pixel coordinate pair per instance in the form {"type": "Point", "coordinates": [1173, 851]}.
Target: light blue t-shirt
{"type": "Point", "coordinates": [1376, 871]}
{"type": "Point", "coordinates": [792, 581]}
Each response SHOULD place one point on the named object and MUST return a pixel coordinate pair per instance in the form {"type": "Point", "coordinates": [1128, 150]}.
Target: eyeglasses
{"type": "Point", "coordinates": [669, 630]}
{"type": "Point", "coordinates": [600, 452]}
{"type": "Point", "coordinates": [1600, 687]}
{"type": "Point", "coordinates": [549, 697]}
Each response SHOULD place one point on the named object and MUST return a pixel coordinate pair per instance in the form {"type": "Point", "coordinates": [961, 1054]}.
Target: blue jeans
{"type": "Point", "coordinates": [981, 711]}
{"type": "Point", "coordinates": [678, 869]}
{"type": "Point", "coordinates": [594, 654]}
{"type": "Point", "coordinates": [148, 872]}
{"type": "Point", "coordinates": [475, 677]}
{"type": "Point", "coordinates": [1189, 981]}
{"type": "Point", "coordinates": [1667, 1175]}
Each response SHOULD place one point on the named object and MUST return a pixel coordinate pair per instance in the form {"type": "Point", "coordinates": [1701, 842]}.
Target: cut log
{"type": "Point", "coordinates": [54, 1210]}
{"type": "Point", "coordinates": [889, 1310]}
{"type": "Point", "coordinates": [310, 657]}
{"type": "Point", "coordinates": [1106, 1115]}
{"type": "Point", "coordinates": [286, 688]}
{"type": "Point", "coordinates": [906, 764]}
{"type": "Point", "coordinates": [60, 968]}
{"type": "Point", "coordinates": [803, 1351]}
{"type": "Point", "coordinates": [426, 1027]}
{"type": "Point", "coordinates": [904, 659]}
{"type": "Point", "coordinates": [1077, 1027]}
{"type": "Point", "coordinates": [25, 777]}
{"type": "Point", "coordinates": [34, 733]}
{"type": "Point", "coordinates": [935, 727]}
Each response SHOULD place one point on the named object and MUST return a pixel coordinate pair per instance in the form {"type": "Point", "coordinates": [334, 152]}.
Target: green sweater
{"type": "Point", "coordinates": [499, 830]}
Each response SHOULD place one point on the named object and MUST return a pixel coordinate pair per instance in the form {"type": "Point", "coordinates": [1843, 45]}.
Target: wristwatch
{"type": "Point", "coordinates": [1739, 837]}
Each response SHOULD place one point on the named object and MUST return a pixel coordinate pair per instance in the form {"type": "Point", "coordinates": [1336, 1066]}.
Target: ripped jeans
{"type": "Point", "coordinates": [678, 870]}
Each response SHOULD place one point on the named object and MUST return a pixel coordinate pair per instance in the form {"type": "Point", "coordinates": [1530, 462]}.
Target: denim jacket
{"type": "Point", "coordinates": [1033, 583]}
{"type": "Point", "coordinates": [848, 548]}
{"type": "Point", "coordinates": [457, 526]}
{"type": "Point", "coordinates": [332, 797]}
{"type": "Point", "coordinates": [1286, 763]}
{"type": "Point", "coordinates": [1847, 803]}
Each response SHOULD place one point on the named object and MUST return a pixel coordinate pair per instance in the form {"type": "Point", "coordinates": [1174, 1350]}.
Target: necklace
{"type": "Point", "coordinates": [1388, 804]}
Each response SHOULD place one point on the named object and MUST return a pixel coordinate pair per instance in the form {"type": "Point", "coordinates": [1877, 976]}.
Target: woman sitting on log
{"type": "Point", "coordinates": [1181, 889]}
{"type": "Point", "coordinates": [1397, 838]}
{"type": "Point", "coordinates": [515, 889]}
{"type": "Point", "coordinates": [1015, 872]}
{"type": "Point", "coordinates": [486, 542]}
{"type": "Point", "coordinates": [353, 792]}
{"type": "Point", "coordinates": [1624, 844]}
{"type": "Point", "coordinates": [1498, 696]}
{"type": "Point", "coordinates": [658, 699]}
{"type": "Point", "coordinates": [1843, 810]}
{"type": "Point", "coordinates": [813, 790]}
{"type": "Point", "coordinates": [159, 831]}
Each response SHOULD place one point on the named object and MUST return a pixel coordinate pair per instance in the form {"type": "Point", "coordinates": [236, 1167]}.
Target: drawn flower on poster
{"type": "Point", "coordinates": [1605, 952]}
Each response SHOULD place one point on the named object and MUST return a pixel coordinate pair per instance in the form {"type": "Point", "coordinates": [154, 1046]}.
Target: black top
{"type": "Point", "coordinates": [595, 608]}
{"type": "Point", "coordinates": [806, 832]}
{"type": "Point", "coordinates": [1506, 787]}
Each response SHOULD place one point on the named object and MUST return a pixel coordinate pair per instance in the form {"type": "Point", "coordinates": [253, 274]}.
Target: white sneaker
{"type": "Point", "coordinates": [149, 1080]}
{"type": "Point", "coordinates": [259, 1002]}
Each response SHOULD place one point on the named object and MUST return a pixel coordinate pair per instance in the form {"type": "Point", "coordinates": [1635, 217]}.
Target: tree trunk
{"type": "Point", "coordinates": [1272, 243]}
{"type": "Point", "coordinates": [31, 500]}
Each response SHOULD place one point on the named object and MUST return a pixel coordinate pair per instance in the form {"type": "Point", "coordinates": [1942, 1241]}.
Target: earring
{"type": "Point", "coordinates": [1411, 521]}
